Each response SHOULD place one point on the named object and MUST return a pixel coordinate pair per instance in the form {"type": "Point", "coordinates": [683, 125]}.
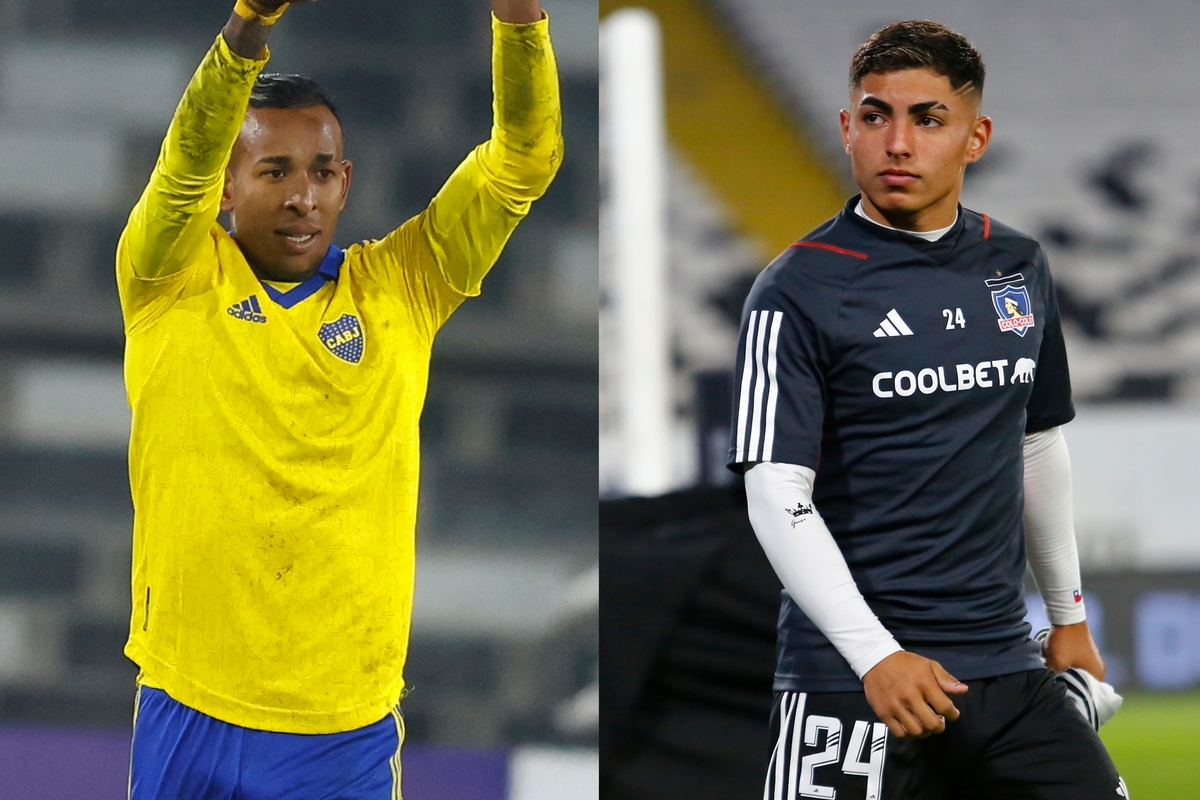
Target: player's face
{"type": "Point", "coordinates": [286, 185]}
{"type": "Point", "coordinates": [910, 137]}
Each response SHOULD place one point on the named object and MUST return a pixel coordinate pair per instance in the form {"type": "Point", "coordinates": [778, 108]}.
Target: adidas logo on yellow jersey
{"type": "Point", "coordinates": [248, 310]}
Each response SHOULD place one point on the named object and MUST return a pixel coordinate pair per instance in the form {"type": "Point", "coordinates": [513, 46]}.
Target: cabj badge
{"type": "Point", "coordinates": [344, 337]}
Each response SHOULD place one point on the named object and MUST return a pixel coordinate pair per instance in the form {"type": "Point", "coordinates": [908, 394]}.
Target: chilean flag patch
{"type": "Point", "coordinates": [1078, 597]}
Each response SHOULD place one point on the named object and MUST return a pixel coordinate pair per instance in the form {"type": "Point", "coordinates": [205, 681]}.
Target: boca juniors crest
{"type": "Point", "coordinates": [344, 338]}
{"type": "Point", "coordinates": [1014, 307]}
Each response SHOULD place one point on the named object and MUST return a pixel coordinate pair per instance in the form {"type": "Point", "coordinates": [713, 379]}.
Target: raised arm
{"type": "Point", "coordinates": [182, 198]}
{"type": "Point", "coordinates": [472, 217]}
{"type": "Point", "coordinates": [521, 12]}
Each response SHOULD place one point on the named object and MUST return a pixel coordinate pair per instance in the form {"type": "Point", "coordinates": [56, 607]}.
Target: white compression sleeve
{"type": "Point", "coordinates": [810, 565]}
{"type": "Point", "coordinates": [1050, 527]}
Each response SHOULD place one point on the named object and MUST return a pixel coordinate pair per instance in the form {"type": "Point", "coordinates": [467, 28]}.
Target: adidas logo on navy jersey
{"type": "Point", "coordinates": [892, 325]}
{"type": "Point", "coordinates": [248, 310]}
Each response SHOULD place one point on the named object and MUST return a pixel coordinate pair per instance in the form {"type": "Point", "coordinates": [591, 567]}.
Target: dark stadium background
{"type": "Point", "coordinates": [504, 642]}
{"type": "Point", "coordinates": [1094, 153]}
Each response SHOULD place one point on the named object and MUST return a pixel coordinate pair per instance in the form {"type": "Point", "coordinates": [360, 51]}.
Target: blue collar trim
{"type": "Point", "coordinates": [327, 271]}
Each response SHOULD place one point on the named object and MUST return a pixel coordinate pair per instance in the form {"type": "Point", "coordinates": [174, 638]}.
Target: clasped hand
{"type": "Point", "coordinates": [910, 694]}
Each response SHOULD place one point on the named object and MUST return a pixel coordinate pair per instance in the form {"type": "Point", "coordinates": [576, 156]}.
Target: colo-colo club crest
{"type": "Point", "coordinates": [1011, 300]}
{"type": "Point", "coordinates": [344, 338]}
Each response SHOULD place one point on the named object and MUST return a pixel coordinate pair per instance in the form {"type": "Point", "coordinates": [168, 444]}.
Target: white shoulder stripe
{"type": "Point", "coordinates": [747, 380]}
{"type": "Point", "coordinates": [759, 386]}
{"type": "Point", "coordinates": [773, 387]}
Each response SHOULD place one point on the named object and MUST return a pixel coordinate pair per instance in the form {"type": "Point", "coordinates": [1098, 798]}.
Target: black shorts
{"type": "Point", "coordinates": [1017, 738]}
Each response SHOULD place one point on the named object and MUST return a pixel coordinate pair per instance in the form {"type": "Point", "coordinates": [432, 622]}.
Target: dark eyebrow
{"type": "Point", "coordinates": [324, 158]}
{"type": "Point", "coordinates": [921, 108]}
{"type": "Point", "coordinates": [877, 103]}
{"type": "Point", "coordinates": [915, 108]}
{"type": "Point", "coordinates": [281, 160]}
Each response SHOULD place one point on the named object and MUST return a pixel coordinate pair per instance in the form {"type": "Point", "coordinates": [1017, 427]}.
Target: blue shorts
{"type": "Point", "coordinates": [180, 754]}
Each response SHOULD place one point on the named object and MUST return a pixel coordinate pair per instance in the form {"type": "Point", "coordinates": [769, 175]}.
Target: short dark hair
{"type": "Point", "coordinates": [276, 90]}
{"type": "Point", "coordinates": [919, 44]}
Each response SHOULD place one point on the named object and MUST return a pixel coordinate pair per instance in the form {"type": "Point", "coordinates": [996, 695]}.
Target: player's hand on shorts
{"type": "Point", "coordinates": [910, 694]}
{"type": "Point", "coordinates": [1072, 646]}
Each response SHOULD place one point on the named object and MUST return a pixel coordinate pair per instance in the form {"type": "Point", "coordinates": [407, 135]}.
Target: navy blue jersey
{"type": "Point", "coordinates": [906, 374]}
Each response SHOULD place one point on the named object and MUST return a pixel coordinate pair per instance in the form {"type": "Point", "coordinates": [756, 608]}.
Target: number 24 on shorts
{"type": "Point", "coordinates": [868, 764]}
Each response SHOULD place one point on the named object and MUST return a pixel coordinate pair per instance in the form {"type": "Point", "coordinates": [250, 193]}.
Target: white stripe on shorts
{"type": "Point", "coordinates": [394, 761]}
{"type": "Point", "coordinates": [137, 702]}
{"type": "Point", "coordinates": [791, 715]}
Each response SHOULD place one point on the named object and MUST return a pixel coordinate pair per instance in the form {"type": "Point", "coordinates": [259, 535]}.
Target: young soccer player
{"type": "Point", "coordinates": [902, 382]}
{"type": "Point", "coordinates": [276, 382]}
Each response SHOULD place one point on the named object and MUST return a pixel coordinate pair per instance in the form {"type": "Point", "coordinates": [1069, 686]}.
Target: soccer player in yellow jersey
{"type": "Point", "coordinates": [276, 383]}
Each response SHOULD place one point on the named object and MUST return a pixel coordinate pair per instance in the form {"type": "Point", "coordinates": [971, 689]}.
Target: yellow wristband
{"type": "Point", "coordinates": [246, 12]}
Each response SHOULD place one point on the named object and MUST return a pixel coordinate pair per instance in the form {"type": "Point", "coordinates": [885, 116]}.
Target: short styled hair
{"type": "Point", "coordinates": [919, 44]}
{"type": "Point", "coordinates": [275, 90]}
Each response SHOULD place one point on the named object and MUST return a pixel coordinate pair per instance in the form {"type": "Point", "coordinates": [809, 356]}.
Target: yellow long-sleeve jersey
{"type": "Point", "coordinates": [274, 452]}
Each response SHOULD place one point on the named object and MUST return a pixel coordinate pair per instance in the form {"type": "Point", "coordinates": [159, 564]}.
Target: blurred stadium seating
{"type": "Point", "coordinates": [504, 639]}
